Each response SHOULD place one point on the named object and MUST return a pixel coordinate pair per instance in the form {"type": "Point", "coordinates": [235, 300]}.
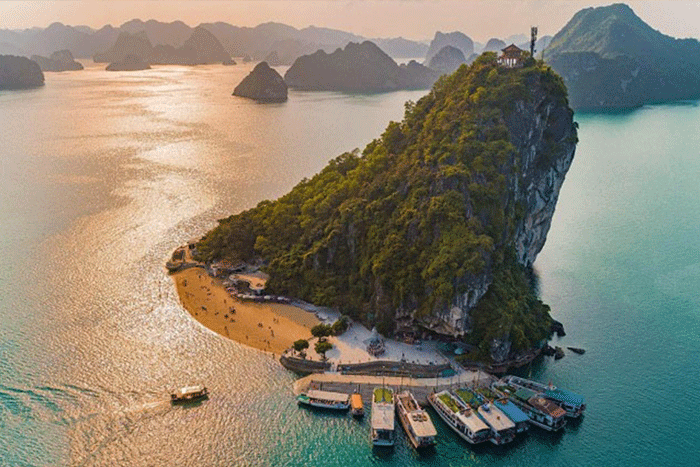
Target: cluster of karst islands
{"type": "Point", "coordinates": [436, 224]}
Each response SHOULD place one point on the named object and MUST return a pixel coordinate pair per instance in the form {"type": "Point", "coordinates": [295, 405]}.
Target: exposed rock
{"type": "Point", "coordinates": [19, 73]}
{"type": "Point", "coordinates": [558, 353]}
{"type": "Point", "coordinates": [130, 63]}
{"type": "Point", "coordinates": [136, 45]}
{"type": "Point", "coordinates": [454, 39]}
{"type": "Point", "coordinates": [548, 351]}
{"type": "Point", "coordinates": [558, 328]}
{"type": "Point", "coordinates": [577, 350]}
{"type": "Point", "coordinates": [263, 84]}
{"type": "Point", "coordinates": [61, 60]}
{"type": "Point", "coordinates": [357, 68]}
{"type": "Point", "coordinates": [447, 60]}
{"type": "Point", "coordinates": [494, 45]}
{"type": "Point", "coordinates": [273, 59]}
{"type": "Point", "coordinates": [201, 48]}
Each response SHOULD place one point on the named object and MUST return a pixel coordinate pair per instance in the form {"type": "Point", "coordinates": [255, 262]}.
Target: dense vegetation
{"type": "Point", "coordinates": [405, 224]}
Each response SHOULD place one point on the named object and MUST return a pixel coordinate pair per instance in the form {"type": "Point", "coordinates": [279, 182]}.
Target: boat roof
{"type": "Point", "coordinates": [524, 394]}
{"type": "Point", "coordinates": [564, 395]}
{"type": "Point", "coordinates": [327, 395]}
{"type": "Point", "coordinates": [188, 389]}
{"type": "Point", "coordinates": [547, 406]}
{"type": "Point", "coordinates": [512, 411]}
{"type": "Point", "coordinates": [382, 394]}
{"type": "Point", "coordinates": [472, 421]}
{"type": "Point", "coordinates": [417, 418]}
{"type": "Point", "coordinates": [356, 401]}
{"type": "Point", "coordinates": [383, 416]}
{"type": "Point", "coordinates": [493, 416]}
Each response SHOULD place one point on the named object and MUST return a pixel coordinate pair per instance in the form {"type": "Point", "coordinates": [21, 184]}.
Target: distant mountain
{"type": "Point", "coordinates": [357, 68]}
{"type": "Point", "coordinates": [494, 45]}
{"type": "Point", "coordinates": [455, 39]}
{"type": "Point", "coordinates": [200, 48]}
{"type": "Point", "coordinates": [610, 58]}
{"type": "Point", "coordinates": [61, 60]}
{"type": "Point", "coordinates": [447, 60]}
{"type": "Point", "coordinates": [541, 44]}
{"type": "Point", "coordinates": [19, 73]}
{"type": "Point", "coordinates": [129, 63]}
{"type": "Point", "coordinates": [175, 33]}
{"type": "Point", "coordinates": [398, 47]}
{"type": "Point", "coordinates": [127, 44]}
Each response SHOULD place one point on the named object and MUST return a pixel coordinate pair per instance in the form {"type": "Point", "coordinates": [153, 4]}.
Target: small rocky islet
{"type": "Point", "coordinates": [19, 73]}
{"type": "Point", "coordinates": [262, 84]}
{"type": "Point", "coordinates": [61, 60]}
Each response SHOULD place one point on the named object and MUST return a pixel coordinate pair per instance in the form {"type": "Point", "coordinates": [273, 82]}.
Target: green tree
{"type": "Point", "coordinates": [321, 330]}
{"type": "Point", "coordinates": [300, 345]}
{"type": "Point", "coordinates": [322, 347]}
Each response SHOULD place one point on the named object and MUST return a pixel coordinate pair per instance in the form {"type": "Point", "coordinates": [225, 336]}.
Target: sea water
{"type": "Point", "coordinates": [103, 174]}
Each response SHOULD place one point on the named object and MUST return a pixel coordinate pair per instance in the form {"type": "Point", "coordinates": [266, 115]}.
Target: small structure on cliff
{"type": "Point", "coordinates": [512, 57]}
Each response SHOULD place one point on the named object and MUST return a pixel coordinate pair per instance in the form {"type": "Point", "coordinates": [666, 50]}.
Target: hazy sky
{"type": "Point", "coordinates": [415, 19]}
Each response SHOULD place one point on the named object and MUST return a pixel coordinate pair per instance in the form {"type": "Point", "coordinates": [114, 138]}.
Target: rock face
{"type": "Point", "coordinates": [609, 58]}
{"type": "Point", "coordinates": [447, 60]}
{"type": "Point", "coordinates": [61, 60]}
{"type": "Point", "coordinates": [200, 49]}
{"type": "Point", "coordinates": [454, 39]}
{"type": "Point", "coordinates": [19, 73]}
{"type": "Point", "coordinates": [357, 68]}
{"type": "Point", "coordinates": [273, 59]}
{"type": "Point", "coordinates": [130, 63]}
{"type": "Point", "coordinates": [262, 84]}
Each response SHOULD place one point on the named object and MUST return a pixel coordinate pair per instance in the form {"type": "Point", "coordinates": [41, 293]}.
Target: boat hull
{"type": "Point", "coordinates": [319, 405]}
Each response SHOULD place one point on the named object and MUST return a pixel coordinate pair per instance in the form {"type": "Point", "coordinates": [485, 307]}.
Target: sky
{"type": "Point", "coordinates": [413, 19]}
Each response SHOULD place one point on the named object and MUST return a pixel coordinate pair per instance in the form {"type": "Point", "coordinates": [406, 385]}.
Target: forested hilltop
{"type": "Point", "coordinates": [436, 223]}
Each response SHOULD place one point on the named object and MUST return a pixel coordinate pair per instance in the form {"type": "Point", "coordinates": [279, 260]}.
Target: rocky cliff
{"type": "Point", "coordinates": [437, 223]}
{"type": "Point", "coordinates": [357, 68]}
{"type": "Point", "coordinates": [262, 84]}
{"type": "Point", "coordinates": [447, 60]}
{"type": "Point", "coordinates": [61, 60]}
{"type": "Point", "coordinates": [136, 45]}
{"type": "Point", "coordinates": [454, 39]}
{"type": "Point", "coordinates": [19, 73]}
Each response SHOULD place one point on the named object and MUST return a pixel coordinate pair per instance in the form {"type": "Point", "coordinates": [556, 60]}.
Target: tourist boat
{"type": "Point", "coordinates": [415, 421]}
{"type": "Point", "coordinates": [517, 416]}
{"type": "Point", "coordinates": [324, 399]}
{"type": "Point", "coordinates": [542, 412]}
{"type": "Point", "coordinates": [460, 417]}
{"type": "Point", "coordinates": [572, 403]}
{"type": "Point", "coordinates": [356, 406]}
{"type": "Point", "coordinates": [189, 393]}
{"type": "Point", "coordinates": [502, 428]}
{"type": "Point", "coordinates": [382, 417]}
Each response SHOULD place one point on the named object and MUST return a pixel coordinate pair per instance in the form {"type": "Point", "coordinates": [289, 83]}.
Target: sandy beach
{"type": "Point", "coordinates": [272, 327]}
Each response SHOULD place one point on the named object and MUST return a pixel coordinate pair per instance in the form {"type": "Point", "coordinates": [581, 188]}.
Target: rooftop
{"type": "Point", "coordinates": [327, 395]}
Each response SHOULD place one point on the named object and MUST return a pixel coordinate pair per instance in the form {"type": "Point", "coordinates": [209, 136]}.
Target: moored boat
{"type": "Point", "coordinates": [356, 406]}
{"type": "Point", "coordinates": [460, 417]}
{"type": "Point", "coordinates": [502, 428]}
{"type": "Point", "coordinates": [517, 416]}
{"type": "Point", "coordinates": [542, 412]}
{"type": "Point", "coordinates": [382, 422]}
{"type": "Point", "coordinates": [189, 393]}
{"type": "Point", "coordinates": [324, 400]}
{"type": "Point", "coordinates": [574, 404]}
{"type": "Point", "coordinates": [415, 421]}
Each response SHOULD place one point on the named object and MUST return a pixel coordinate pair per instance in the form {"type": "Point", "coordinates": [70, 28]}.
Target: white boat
{"type": "Point", "coordinates": [542, 412]}
{"type": "Point", "coordinates": [415, 421]}
{"type": "Point", "coordinates": [502, 428]}
{"type": "Point", "coordinates": [324, 399]}
{"type": "Point", "coordinates": [574, 404]}
{"type": "Point", "coordinates": [189, 393]}
{"type": "Point", "coordinates": [460, 417]}
{"type": "Point", "coordinates": [382, 417]}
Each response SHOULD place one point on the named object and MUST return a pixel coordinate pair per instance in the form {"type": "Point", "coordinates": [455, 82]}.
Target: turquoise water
{"type": "Point", "coordinates": [103, 174]}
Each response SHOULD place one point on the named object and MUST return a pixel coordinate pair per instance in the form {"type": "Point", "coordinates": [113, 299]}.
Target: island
{"type": "Point", "coordinates": [61, 60]}
{"type": "Point", "coordinates": [19, 73]}
{"type": "Point", "coordinates": [129, 63]}
{"type": "Point", "coordinates": [455, 39]}
{"type": "Point", "coordinates": [357, 68]}
{"type": "Point", "coordinates": [611, 59]}
{"type": "Point", "coordinates": [447, 60]}
{"type": "Point", "coordinates": [433, 228]}
{"type": "Point", "coordinates": [262, 84]}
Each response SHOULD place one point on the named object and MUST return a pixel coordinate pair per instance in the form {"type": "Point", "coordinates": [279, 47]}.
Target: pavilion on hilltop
{"type": "Point", "coordinates": [512, 57]}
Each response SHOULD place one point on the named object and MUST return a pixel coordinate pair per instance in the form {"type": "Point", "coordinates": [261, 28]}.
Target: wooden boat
{"type": "Point", "coordinates": [324, 400]}
{"type": "Point", "coordinates": [460, 417]}
{"type": "Point", "coordinates": [542, 412]}
{"type": "Point", "coordinates": [189, 393]}
{"type": "Point", "coordinates": [356, 407]}
{"type": "Point", "coordinates": [382, 422]}
{"type": "Point", "coordinates": [415, 421]}
{"type": "Point", "coordinates": [572, 403]}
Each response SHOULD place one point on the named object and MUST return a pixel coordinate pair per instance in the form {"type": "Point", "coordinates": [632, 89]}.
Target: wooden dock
{"type": "Point", "coordinates": [420, 387]}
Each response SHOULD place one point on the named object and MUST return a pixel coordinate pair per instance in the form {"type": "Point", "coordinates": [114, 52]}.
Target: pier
{"type": "Point", "coordinates": [420, 387]}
